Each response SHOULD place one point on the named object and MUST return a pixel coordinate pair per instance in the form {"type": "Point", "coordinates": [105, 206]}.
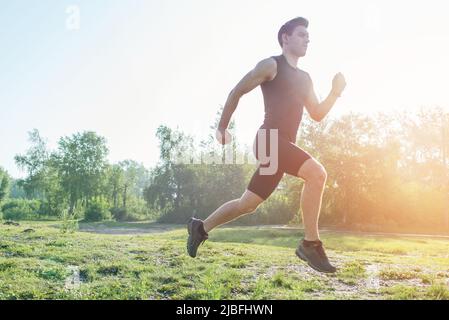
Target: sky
{"type": "Point", "coordinates": [122, 68]}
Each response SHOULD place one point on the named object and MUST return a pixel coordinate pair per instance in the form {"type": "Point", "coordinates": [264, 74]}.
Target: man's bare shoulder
{"type": "Point", "coordinates": [267, 67]}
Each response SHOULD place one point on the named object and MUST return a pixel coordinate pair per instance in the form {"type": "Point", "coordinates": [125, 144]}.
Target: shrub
{"type": "Point", "coordinates": [20, 209]}
{"type": "Point", "coordinates": [52, 208]}
{"type": "Point", "coordinates": [119, 214]}
{"type": "Point", "coordinates": [97, 210]}
{"type": "Point", "coordinates": [136, 210]}
{"type": "Point", "coordinates": [275, 210]}
{"type": "Point", "coordinates": [69, 223]}
{"type": "Point", "coordinates": [122, 214]}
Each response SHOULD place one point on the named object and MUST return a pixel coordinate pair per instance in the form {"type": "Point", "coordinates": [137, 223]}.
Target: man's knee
{"type": "Point", "coordinates": [249, 202]}
{"type": "Point", "coordinates": [313, 172]}
{"type": "Point", "coordinates": [321, 175]}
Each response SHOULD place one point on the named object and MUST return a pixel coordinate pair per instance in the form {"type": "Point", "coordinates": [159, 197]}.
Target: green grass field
{"type": "Point", "coordinates": [150, 262]}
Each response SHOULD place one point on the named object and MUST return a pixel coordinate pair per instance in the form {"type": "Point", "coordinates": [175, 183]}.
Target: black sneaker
{"type": "Point", "coordinates": [197, 236]}
{"type": "Point", "coordinates": [313, 253]}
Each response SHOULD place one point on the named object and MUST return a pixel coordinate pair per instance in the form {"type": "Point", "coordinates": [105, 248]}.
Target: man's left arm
{"type": "Point", "coordinates": [318, 110]}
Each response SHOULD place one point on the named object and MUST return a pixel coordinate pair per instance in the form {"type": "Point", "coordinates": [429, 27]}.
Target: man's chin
{"type": "Point", "coordinates": [302, 53]}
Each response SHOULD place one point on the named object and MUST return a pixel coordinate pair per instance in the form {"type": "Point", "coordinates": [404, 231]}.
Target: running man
{"type": "Point", "coordinates": [286, 91]}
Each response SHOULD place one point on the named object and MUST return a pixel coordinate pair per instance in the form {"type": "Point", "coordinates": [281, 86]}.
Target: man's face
{"type": "Point", "coordinates": [297, 43]}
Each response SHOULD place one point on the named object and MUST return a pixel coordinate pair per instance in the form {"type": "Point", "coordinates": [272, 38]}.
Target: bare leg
{"type": "Point", "coordinates": [315, 176]}
{"type": "Point", "coordinates": [233, 209]}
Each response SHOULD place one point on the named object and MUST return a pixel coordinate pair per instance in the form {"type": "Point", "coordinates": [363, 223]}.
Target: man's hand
{"type": "Point", "coordinates": [223, 136]}
{"type": "Point", "coordinates": [338, 84]}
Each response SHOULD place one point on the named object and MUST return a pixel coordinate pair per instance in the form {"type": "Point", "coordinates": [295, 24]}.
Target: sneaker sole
{"type": "Point", "coordinates": [189, 225]}
{"type": "Point", "coordinates": [302, 257]}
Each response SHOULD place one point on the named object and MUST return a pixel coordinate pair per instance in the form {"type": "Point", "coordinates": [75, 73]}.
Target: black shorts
{"type": "Point", "coordinates": [290, 159]}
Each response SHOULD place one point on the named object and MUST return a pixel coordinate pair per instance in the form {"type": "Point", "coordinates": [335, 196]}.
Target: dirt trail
{"type": "Point", "coordinates": [128, 230]}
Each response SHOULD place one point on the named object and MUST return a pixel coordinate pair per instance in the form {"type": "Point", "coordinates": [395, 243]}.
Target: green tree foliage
{"type": "Point", "coordinates": [21, 209]}
{"type": "Point", "coordinates": [78, 174]}
{"type": "Point", "coordinates": [4, 184]}
{"type": "Point", "coordinates": [81, 165]}
{"type": "Point", "coordinates": [42, 180]}
{"type": "Point", "coordinates": [4, 187]}
{"type": "Point", "coordinates": [16, 191]}
{"type": "Point", "coordinates": [131, 172]}
{"type": "Point", "coordinates": [124, 185]}
{"type": "Point", "coordinates": [97, 210]}
{"type": "Point", "coordinates": [115, 182]}
{"type": "Point", "coordinates": [34, 163]}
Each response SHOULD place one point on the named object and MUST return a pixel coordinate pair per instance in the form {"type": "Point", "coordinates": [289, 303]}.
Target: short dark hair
{"type": "Point", "coordinates": [289, 26]}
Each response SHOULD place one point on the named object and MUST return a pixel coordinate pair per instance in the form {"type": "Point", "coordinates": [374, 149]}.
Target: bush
{"type": "Point", "coordinates": [52, 208]}
{"type": "Point", "coordinates": [137, 207]}
{"type": "Point", "coordinates": [97, 210]}
{"type": "Point", "coordinates": [275, 210]}
{"type": "Point", "coordinates": [69, 223]}
{"type": "Point", "coordinates": [119, 214]}
{"type": "Point", "coordinates": [136, 210]}
{"type": "Point", "coordinates": [21, 209]}
{"type": "Point", "coordinates": [122, 214]}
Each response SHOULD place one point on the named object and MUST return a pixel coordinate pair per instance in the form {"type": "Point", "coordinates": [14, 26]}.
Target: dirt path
{"type": "Point", "coordinates": [128, 230]}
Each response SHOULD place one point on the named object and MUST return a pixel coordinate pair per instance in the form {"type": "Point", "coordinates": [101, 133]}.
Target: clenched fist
{"type": "Point", "coordinates": [338, 84]}
{"type": "Point", "coordinates": [223, 136]}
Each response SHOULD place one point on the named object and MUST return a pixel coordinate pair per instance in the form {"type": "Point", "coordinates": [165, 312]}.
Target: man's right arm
{"type": "Point", "coordinates": [265, 70]}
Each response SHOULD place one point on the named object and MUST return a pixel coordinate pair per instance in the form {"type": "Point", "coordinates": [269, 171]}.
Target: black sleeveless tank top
{"type": "Point", "coordinates": [284, 98]}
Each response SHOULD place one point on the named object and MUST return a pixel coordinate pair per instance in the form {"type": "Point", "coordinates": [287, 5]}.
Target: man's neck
{"type": "Point", "coordinates": [291, 58]}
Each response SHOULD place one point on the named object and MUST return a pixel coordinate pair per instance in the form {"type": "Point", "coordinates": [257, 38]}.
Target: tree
{"type": "Point", "coordinates": [42, 180]}
{"type": "Point", "coordinates": [115, 183]}
{"type": "Point", "coordinates": [33, 162]}
{"type": "Point", "coordinates": [81, 165]}
{"type": "Point", "coordinates": [4, 184]}
{"type": "Point", "coordinates": [17, 191]}
{"type": "Point", "coordinates": [133, 175]}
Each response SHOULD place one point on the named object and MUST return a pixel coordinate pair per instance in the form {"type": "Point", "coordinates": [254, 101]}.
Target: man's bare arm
{"type": "Point", "coordinates": [319, 110]}
{"type": "Point", "coordinates": [265, 70]}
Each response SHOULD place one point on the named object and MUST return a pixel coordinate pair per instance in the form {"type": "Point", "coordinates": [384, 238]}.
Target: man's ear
{"type": "Point", "coordinates": [284, 38]}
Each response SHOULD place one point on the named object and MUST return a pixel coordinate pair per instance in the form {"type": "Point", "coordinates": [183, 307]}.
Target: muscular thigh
{"type": "Point", "coordinates": [291, 157]}
{"type": "Point", "coordinates": [263, 185]}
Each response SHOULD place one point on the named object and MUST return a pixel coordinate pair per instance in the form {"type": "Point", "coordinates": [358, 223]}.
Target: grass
{"type": "Point", "coordinates": [236, 263]}
{"type": "Point", "coordinates": [351, 273]}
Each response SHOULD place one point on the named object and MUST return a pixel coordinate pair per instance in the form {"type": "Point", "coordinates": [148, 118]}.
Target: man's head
{"type": "Point", "coordinates": [294, 37]}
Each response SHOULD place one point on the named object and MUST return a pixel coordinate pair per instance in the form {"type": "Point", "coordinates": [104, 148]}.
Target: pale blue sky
{"type": "Point", "coordinates": [136, 64]}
